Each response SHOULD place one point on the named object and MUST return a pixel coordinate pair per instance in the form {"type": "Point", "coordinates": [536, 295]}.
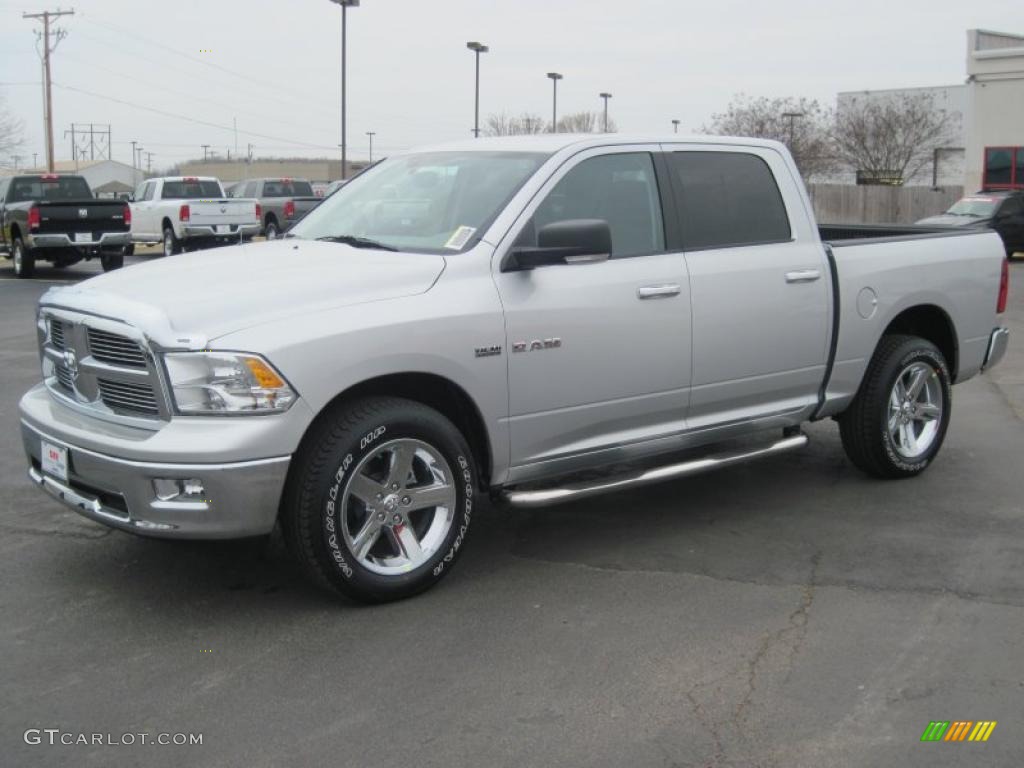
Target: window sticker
{"type": "Point", "coordinates": [459, 238]}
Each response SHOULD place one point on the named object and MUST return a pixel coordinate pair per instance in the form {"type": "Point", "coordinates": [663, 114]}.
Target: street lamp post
{"type": "Point", "coordinates": [371, 134]}
{"type": "Point", "coordinates": [605, 96]}
{"type": "Point", "coordinates": [477, 48]}
{"type": "Point", "coordinates": [345, 5]}
{"type": "Point", "coordinates": [675, 126]}
{"type": "Point", "coordinates": [555, 77]}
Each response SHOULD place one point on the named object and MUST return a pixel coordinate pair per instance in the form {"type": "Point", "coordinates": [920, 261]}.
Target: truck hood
{"type": "Point", "coordinates": [188, 299]}
{"type": "Point", "coordinates": [946, 220]}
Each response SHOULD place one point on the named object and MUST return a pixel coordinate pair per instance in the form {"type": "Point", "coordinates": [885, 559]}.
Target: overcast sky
{"type": "Point", "coordinates": [275, 66]}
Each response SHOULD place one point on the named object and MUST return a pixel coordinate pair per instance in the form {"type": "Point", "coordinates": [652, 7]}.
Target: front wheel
{"type": "Point", "coordinates": [380, 499]}
{"type": "Point", "coordinates": [24, 260]}
{"type": "Point", "coordinates": [896, 424]}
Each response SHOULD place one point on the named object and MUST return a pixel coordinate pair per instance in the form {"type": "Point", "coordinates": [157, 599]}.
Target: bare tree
{"type": "Point", "coordinates": [801, 124]}
{"type": "Point", "coordinates": [11, 135]}
{"type": "Point", "coordinates": [891, 136]}
{"type": "Point", "coordinates": [584, 122]}
{"type": "Point", "coordinates": [504, 124]}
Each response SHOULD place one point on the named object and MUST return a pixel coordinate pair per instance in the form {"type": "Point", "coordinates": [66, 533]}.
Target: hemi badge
{"type": "Point", "coordinates": [488, 351]}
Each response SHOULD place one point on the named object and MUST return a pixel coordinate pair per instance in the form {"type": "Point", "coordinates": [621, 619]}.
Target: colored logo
{"type": "Point", "coordinates": [958, 730]}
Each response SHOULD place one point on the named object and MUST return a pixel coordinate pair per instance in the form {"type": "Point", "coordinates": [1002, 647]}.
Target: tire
{"type": "Point", "coordinates": [346, 522]}
{"type": "Point", "coordinates": [171, 244]}
{"type": "Point", "coordinates": [111, 261]}
{"type": "Point", "coordinates": [271, 231]}
{"type": "Point", "coordinates": [24, 260]}
{"type": "Point", "coordinates": [129, 250]}
{"type": "Point", "coordinates": [894, 433]}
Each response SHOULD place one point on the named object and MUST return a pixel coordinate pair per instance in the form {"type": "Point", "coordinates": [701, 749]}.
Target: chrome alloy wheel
{"type": "Point", "coordinates": [168, 243]}
{"type": "Point", "coordinates": [915, 410]}
{"type": "Point", "coordinates": [18, 257]}
{"type": "Point", "coordinates": [398, 506]}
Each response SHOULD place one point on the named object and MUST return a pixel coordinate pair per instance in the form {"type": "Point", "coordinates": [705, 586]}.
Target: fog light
{"type": "Point", "coordinates": [169, 489]}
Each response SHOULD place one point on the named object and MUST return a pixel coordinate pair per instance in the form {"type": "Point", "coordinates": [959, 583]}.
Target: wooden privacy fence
{"type": "Point", "coordinates": [849, 204]}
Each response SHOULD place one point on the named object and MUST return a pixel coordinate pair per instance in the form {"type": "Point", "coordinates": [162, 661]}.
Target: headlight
{"type": "Point", "coordinates": [226, 382]}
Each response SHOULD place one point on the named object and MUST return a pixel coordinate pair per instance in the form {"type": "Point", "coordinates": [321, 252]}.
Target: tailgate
{"type": "Point", "coordinates": [87, 215]}
{"type": "Point", "coordinates": [304, 205]}
{"type": "Point", "coordinates": [228, 211]}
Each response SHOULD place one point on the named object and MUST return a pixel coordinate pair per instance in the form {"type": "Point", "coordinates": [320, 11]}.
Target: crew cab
{"type": "Point", "coordinates": [282, 201]}
{"type": "Point", "coordinates": [56, 218]}
{"type": "Point", "coordinates": [537, 319]}
{"type": "Point", "coordinates": [190, 213]}
{"type": "Point", "coordinates": [1001, 210]}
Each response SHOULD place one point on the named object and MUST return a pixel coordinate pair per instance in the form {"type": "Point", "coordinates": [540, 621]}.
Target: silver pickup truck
{"type": "Point", "coordinates": [535, 319]}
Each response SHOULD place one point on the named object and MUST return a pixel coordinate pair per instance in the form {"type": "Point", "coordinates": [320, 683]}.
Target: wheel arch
{"type": "Point", "coordinates": [933, 323]}
{"type": "Point", "coordinates": [434, 391]}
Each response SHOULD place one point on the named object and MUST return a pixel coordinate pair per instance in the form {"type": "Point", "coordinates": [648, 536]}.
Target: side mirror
{"type": "Point", "coordinates": [574, 241]}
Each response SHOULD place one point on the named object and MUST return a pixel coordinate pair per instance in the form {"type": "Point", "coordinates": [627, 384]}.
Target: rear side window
{"type": "Point", "coordinates": [190, 190]}
{"type": "Point", "coordinates": [287, 188]}
{"type": "Point", "coordinates": [727, 199]}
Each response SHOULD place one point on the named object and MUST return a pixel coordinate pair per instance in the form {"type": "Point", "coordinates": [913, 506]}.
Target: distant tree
{"type": "Point", "coordinates": [585, 122]}
{"type": "Point", "coordinates": [504, 124]}
{"type": "Point", "coordinates": [11, 134]}
{"type": "Point", "coordinates": [801, 124]}
{"type": "Point", "coordinates": [891, 135]}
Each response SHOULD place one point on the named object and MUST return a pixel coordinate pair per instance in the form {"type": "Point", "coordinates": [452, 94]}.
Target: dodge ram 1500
{"type": "Point", "coordinates": [538, 319]}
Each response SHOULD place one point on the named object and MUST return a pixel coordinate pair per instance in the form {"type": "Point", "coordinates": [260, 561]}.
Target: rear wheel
{"type": "Point", "coordinates": [380, 499]}
{"type": "Point", "coordinates": [271, 230]}
{"type": "Point", "coordinates": [24, 260]}
{"type": "Point", "coordinates": [172, 244]}
{"type": "Point", "coordinates": [112, 260]}
{"type": "Point", "coordinates": [897, 423]}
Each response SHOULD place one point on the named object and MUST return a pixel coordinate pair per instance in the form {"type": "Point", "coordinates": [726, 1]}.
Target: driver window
{"type": "Point", "coordinates": [620, 189]}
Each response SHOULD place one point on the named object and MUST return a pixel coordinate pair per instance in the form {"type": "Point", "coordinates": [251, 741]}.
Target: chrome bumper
{"type": "Point", "coordinates": [239, 499]}
{"type": "Point", "coordinates": [997, 344]}
{"type": "Point", "coordinates": [63, 240]}
{"type": "Point", "coordinates": [190, 230]}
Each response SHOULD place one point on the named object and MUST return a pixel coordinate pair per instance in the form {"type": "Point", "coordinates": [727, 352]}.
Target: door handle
{"type": "Point", "coordinates": [658, 291]}
{"type": "Point", "coordinates": [803, 276]}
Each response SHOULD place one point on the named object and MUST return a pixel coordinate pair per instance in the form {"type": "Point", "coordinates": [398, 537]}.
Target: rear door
{"type": "Point", "coordinates": [759, 281]}
{"type": "Point", "coordinates": [598, 354]}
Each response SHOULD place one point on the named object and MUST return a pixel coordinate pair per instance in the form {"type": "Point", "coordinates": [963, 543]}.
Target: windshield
{"type": "Point", "coordinates": [975, 206]}
{"type": "Point", "coordinates": [191, 190]}
{"type": "Point", "coordinates": [435, 202]}
{"type": "Point", "coordinates": [25, 188]}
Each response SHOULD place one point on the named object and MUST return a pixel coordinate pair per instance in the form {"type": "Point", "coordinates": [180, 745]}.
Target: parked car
{"type": "Point", "coordinates": [538, 319]}
{"type": "Point", "coordinates": [189, 213]}
{"type": "Point", "coordinates": [1001, 210]}
{"type": "Point", "coordinates": [283, 202]}
{"type": "Point", "coordinates": [57, 218]}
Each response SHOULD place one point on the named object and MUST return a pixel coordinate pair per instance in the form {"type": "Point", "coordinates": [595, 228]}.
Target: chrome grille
{"type": "Point", "coordinates": [64, 378]}
{"type": "Point", "coordinates": [115, 350]}
{"type": "Point", "coordinates": [57, 333]}
{"type": "Point", "coordinates": [128, 396]}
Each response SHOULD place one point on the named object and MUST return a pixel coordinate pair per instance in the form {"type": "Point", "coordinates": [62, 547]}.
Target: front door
{"type": "Point", "coordinates": [598, 353]}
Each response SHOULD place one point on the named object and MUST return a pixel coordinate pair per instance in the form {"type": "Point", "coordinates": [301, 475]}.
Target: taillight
{"type": "Point", "coordinates": [128, 216]}
{"type": "Point", "coordinates": [259, 212]}
{"type": "Point", "coordinates": [34, 218]}
{"type": "Point", "coordinates": [289, 209]}
{"type": "Point", "coordinates": [184, 214]}
{"type": "Point", "coordinates": [1004, 287]}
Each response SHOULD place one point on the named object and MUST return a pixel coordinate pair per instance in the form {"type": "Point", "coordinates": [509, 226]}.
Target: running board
{"type": "Point", "coordinates": [544, 496]}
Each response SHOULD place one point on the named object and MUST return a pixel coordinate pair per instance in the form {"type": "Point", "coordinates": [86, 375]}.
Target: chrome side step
{"type": "Point", "coordinates": [544, 496]}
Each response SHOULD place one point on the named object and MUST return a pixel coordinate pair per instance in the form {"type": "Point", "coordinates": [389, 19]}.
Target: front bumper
{"type": "Point", "coordinates": [997, 344]}
{"type": "Point", "coordinates": [64, 240]}
{"type": "Point", "coordinates": [234, 230]}
{"type": "Point", "coordinates": [112, 469]}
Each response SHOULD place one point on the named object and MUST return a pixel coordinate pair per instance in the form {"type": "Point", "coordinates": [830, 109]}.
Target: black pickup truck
{"type": "Point", "coordinates": [55, 218]}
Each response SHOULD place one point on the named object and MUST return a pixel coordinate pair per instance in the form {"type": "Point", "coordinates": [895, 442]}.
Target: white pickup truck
{"type": "Point", "coordinates": [189, 213]}
{"type": "Point", "coordinates": [536, 318]}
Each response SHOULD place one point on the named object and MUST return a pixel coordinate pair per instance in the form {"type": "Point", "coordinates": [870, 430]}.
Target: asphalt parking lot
{"type": "Point", "coordinates": [791, 612]}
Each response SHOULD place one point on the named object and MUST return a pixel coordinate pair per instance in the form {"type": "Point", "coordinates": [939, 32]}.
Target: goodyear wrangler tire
{"type": "Point", "coordinates": [896, 425]}
{"type": "Point", "coordinates": [380, 499]}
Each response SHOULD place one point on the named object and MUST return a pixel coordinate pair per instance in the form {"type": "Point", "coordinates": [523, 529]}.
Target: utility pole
{"type": "Point", "coordinates": [16, 159]}
{"type": "Point", "coordinates": [477, 48]}
{"type": "Point", "coordinates": [58, 35]}
{"type": "Point", "coordinates": [149, 162]}
{"type": "Point", "coordinates": [139, 163]}
{"type": "Point", "coordinates": [35, 161]}
{"type": "Point", "coordinates": [555, 77]}
{"type": "Point", "coordinates": [74, 147]}
{"type": "Point", "coordinates": [371, 134]}
{"type": "Point", "coordinates": [133, 154]}
{"type": "Point", "coordinates": [345, 5]}
{"type": "Point", "coordinates": [206, 151]}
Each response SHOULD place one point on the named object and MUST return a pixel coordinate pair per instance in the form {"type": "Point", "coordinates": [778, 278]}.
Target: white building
{"type": "Point", "coordinates": [995, 98]}
{"type": "Point", "coordinates": [105, 177]}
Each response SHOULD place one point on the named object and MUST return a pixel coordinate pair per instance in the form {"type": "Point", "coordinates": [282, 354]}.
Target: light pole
{"type": "Point", "coordinates": [791, 116]}
{"type": "Point", "coordinates": [477, 48]}
{"type": "Point", "coordinates": [555, 77]}
{"type": "Point", "coordinates": [345, 5]}
{"type": "Point", "coordinates": [605, 96]}
{"type": "Point", "coordinates": [675, 126]}
{"type": "Point", "coordinates": [371, 134]}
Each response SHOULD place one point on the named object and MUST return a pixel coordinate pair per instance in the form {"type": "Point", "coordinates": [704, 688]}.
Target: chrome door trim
{"type": "Point", "coordinates": [663, 291]}
{"type": "Point", "coordinates": [803, 276]}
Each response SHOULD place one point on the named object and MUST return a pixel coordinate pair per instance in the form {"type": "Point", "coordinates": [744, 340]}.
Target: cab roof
{"type": "Point", "coordinates": [550, 143]}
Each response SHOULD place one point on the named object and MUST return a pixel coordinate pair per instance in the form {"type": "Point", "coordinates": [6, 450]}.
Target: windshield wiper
{"type": "Point", "coordinates": [357, 242]}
